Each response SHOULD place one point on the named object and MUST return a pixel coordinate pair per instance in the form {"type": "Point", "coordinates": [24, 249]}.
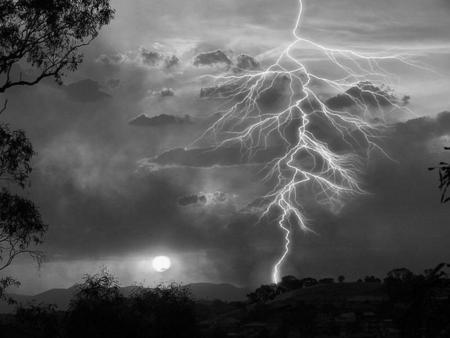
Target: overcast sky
{"type": "Point", "coordinates": [106, 206]}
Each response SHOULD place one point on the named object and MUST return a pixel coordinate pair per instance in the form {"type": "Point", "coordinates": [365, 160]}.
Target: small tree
{"type": "Point", "coordinates": [98, 309]}
{"type": "Point", "coordinates": [289, 283]}
{"type": "Point", "coordinates": [341, 279]}
{"type": "Point", "coordinates": [264, 293]}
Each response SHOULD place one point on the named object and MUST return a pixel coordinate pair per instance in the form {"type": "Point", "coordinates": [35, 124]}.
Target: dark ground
{"type": "Point", "coordinates": [401, 305]}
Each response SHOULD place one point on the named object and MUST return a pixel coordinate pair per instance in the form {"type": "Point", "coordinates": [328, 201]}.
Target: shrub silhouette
{"type": "Point", "coordinates": [38, 321]}
{"type": "Point", "coordinates": [164, 311]}
{"type": "Point", "coordinates": [99, 309]}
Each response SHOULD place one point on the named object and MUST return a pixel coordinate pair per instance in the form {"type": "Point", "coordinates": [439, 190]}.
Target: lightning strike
{"type": "Point", "coordinates": [307, 161]}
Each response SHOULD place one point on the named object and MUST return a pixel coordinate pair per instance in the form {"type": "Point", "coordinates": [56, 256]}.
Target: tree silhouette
{"type": "Point", "coordinates": [419, 310]}
{"type": "Point", "coordinates": [20, 222]}
{"type": "Point", "coordinates": [444, 179]}
{"type": "Point", "coordinates": [37, 321]}
{"type": "Point", "coordinates": [21, 226]}
{"type": "Point", "coordinates": [264, 293]}
{"type": "Point", "coordinates": [46, 35]}
{"type": "Point", "coordinates": [289, 283]}
{"type": "Point", "coordinates": [98, 309]}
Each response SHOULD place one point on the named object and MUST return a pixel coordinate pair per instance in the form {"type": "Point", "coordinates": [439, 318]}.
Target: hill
{"type": "Point", "coordinates": [61, 297]}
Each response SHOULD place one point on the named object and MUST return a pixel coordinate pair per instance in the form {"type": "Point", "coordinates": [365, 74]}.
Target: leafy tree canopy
{"type": "Point", "coordinates": [46, 35]}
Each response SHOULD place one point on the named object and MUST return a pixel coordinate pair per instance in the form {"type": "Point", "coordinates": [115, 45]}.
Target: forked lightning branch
{"type": "Point", "coordinates": [307, 164]}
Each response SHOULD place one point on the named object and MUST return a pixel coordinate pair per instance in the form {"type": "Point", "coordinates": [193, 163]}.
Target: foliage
{"type": "Point", "coordinates": [20, 221]}
{"type": "Point", "coordinates": [99, 309]}
{"type": "Point", "coordinates": [20, 226]}
{"type": "Point", "coordinates": [417, 306]}
{"type": "Point", "coordinates": [264, 293]}
{"type": "Point", "coordinates": [46, 36]}
{"type": "Point", "coordinates": [444, 179]}
{"type": "Point", "coordinates": [289, 283]}
{"type": "Point", "coordinates": [416, 300]}
{"type": "Point", "coordinates": [164, 311]}
{"type": "Point", "coordinates": [16, 152]}
{"type": "Point", "coordinates": [5, 283]}
{"type": "Point", "coordinates": [38, 321]}
{"type": "Point", "coordinates": [372, 279]}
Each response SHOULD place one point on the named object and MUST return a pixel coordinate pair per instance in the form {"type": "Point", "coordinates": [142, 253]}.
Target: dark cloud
{"type": "Point", "coordinates": [364, 93]}
{"type": "Point", "coordinates": [156, 59]}
{"type": "Point", "coordinates": [222, 91]}
{"type": "Point", "coordinates": [111, 60]}
{"type": "Point", "coordinates": [85, 91]}
{"type": "Point", "coordinates": [164, 92]}
{"type": "Point", "coordinates": [159, 121]}
{"type": "Point", "coordinates": [151, 58]}
{"type": "Point", "coordinates": [400, 222]}
{"type": "Point", "coordinates": [216, 197]}
{"type": "Point", "coordinates": [386, 226]}
{"type": "Point", "coordinates": [171, 61]}
{"type": "Point", "coordinates": [192, 199]}
{"type": "Point", "coordinates": [97, 206]}
{"type": "Point", "coordinates": [210, 157]}
{"type": "Point", "coordinates": [212, 58]}
{"type": "Point", "coordinates": [246, 62]}
{"type": "Point", "coordinates": [273, 94]}
{"type": "Point", "coordinates": [417, 132]}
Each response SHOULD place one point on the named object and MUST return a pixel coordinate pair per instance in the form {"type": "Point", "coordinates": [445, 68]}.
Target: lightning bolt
{"type": "Point", "coordinates": [306, 160]}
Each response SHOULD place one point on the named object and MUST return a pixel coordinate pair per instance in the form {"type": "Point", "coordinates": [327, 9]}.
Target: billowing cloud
{"type": "Point", "coordinates": [364, 93]}
{"type": "Point", "coordinates": [164, 92]}
{"type": "Point", "coordinates": [212, 58]}
{"type": "Point", "coordinates": [85, 91]}
{"type": "Point", "coordinates": [151, 58]}
{"type": "Point", "coordinates": [158, 59]}
{"type": "Point", "coordinates": [205, 199]}
{"type": "Point", "coordinates": [111, 60]}
{"type": "Point", "coordinates": [159, 120]}
{"type": "Point", "coordinates": [222, 91]}
{"type": "Point", "coordinates": [171, 61]}
{"type": "Point", "coordinates": [192, 199]}
{"type": "Point", "coordinates": [246, 62]}
{"type": "Point", "coordinates": [208, 157]}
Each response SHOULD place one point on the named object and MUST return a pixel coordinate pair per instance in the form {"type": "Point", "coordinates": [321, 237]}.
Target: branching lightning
{"type": "Point", "coordinates": [307, 161]}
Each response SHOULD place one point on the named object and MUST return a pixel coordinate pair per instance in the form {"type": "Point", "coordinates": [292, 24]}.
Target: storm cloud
{"type": "Point", "coordinates": [212, 58]}
{"type": "Point", "coordinates": [85, 90]}
{"type": "Point", "coordinates": [114, 193]}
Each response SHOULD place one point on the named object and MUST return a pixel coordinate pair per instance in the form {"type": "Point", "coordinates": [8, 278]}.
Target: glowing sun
{"type": "Point", "coordinates": [161, 263]}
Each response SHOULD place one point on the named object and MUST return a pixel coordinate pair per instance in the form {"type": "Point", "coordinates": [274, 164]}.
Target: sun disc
{"type": "Point", "coordinates": [161, 263]}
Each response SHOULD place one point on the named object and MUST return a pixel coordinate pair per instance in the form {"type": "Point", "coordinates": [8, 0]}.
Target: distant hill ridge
{"type": "Point", "coordinates": [61, 297]}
